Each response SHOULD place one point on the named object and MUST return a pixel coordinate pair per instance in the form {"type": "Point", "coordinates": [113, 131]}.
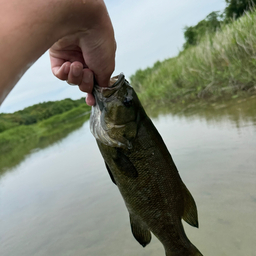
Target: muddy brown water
{"type": "Point", "coordinates": [60, 200]}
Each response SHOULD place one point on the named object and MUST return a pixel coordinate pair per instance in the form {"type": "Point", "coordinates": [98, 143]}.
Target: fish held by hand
{"type": "Point", "coordinates": [141, 166]}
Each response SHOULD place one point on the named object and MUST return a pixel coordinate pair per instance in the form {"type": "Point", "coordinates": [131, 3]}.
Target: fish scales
{"type": "Point", "coordinates": [143, 170]}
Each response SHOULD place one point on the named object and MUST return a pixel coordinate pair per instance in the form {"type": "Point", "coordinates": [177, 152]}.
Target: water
{"type": "Point", "coordinates": [61, 201]}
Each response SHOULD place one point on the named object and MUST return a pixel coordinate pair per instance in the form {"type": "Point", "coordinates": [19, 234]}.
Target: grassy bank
{"type": "Point", "coordinates": [223, 64]}
{"type": "Point", "coordinates": [37, 113]}
{"type": "Point", "coordinates": [52, 125]}
{"type": "Point", "coordinates": [18, 141]}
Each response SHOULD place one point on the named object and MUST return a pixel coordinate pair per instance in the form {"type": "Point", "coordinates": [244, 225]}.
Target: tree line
{"type": "Point", "coordinates": [37, 112]}
{"type": "Point", "coordinates": [234, 10]}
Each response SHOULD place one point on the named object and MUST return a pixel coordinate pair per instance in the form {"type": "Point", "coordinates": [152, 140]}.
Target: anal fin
{"type": "Point", "coordinates": [140, 231]}
{"type": "Point", "coordinates": [190, 210]}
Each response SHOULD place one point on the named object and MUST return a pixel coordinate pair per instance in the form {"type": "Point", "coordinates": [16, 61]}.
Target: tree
{"type": "Point", "coordinates": [236, 8]}
{"type": "Point", "coordinates": [210, 24]}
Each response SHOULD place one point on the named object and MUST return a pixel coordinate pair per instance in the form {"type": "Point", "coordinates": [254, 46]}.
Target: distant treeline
{"type": "Point", "coordinates": [37, 113]}
{"type": "Point", "coordinates": [37, 127]}
{"type": "Point", "coordinates": [234, 10]}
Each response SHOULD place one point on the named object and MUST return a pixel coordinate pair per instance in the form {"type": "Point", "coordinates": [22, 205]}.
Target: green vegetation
{"type": "Point", "coordinates": [218, 62]}
{"type": "Point", "coordinates": [236, 8]}
{"type": "Point", "coordinates": [37, 113]}
{"type": "Point", "coordinates": [222, 64]}
{"type": "Point", "coordinates": [213, 22]}
{"type": "Point", "coordinates": [209, 25]}
{"type": "Point", "coordinates": [19, 136]}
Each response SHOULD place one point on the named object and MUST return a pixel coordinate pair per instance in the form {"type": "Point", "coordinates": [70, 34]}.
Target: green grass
{"type": "Point", "coordinates": [17, 149]}
{"type": "Point", "coordinates": [18, 141]}
{"type": "Point", "coordinates": [221, 65]}
{"type": "Point", "coordinates": [53, 125]}
{"type": "Point", "coordinates": [37, 113]}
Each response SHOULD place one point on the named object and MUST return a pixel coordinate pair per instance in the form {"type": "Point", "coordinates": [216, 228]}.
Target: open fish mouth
{"type": "Point", "coordinates": [105, 93]}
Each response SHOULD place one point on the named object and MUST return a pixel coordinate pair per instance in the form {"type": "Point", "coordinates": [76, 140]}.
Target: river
{"type": "Point", "coordinates": [60, 200]}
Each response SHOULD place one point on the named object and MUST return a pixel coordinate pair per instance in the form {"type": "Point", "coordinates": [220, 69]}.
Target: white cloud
{"type": "Point", "coordinates": [146, 31]}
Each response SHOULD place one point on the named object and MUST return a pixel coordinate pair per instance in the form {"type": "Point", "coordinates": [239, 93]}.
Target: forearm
{"type": "Point", "coordinates": [28, 28]}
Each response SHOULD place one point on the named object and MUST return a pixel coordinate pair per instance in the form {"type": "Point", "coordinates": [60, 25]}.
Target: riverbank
{"type": "Point", "coordinates": [222, 65]}
{"type": "Point", "coordinates": [220, 70]}
{"type": "Point", "coordinates": [18, 141]}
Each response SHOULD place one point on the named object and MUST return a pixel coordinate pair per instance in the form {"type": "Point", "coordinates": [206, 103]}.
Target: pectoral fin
{"type": "Point", "coordinates": [140, 231]}
{"type": "Point", "coordinates": [190, 210]}
{"type": "Point", "coordinates": [110, 174]}
{"type": "Point", "coordinates": [125, 165]}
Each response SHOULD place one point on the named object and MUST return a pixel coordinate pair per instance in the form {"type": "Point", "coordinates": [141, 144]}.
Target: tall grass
{"type": "Point", "coordinates": [223, 64]}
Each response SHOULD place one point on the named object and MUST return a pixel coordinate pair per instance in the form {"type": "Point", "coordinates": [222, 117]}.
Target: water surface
{"type": "Point", "coordinates": [60, 200]}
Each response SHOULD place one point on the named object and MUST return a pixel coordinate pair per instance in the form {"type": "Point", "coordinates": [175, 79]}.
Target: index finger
{"type": "Point", "coordinates": [60, 68]}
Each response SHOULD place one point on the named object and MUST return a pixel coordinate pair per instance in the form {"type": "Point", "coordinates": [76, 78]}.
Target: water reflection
{"type": "Point", "coordinates": [13, 157]}
{"type": "Point", "coordinates": [238, 111]}
{"type": "Point", "coordinates": [61, 201]}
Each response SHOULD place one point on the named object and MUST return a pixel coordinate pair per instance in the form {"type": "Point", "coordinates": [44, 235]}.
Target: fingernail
{"type": "Point", "coordinates": [76, 71]}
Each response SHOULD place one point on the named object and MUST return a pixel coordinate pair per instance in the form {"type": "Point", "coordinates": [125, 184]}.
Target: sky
{"type": "Point", "coordinates": [145, 30]}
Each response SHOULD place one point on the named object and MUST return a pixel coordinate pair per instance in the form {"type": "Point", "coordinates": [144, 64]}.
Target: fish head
{"type": "Point", "coordinates": [114, 116]}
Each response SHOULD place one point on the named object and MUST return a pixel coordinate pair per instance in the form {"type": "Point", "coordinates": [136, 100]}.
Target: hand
{"type": "Point", "coordinates": [83, 56]}
{"type": "Point", "coordinates": [79, 33]}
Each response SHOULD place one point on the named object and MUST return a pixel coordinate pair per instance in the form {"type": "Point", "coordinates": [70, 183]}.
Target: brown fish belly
{"type": "Point", "coordinates": [152, 189]}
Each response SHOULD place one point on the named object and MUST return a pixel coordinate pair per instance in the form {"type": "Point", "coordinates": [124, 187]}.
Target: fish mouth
{"type": "Point", "coordinates": [98, 127]}
{"type": "Point", "coordinates": [104, 93]}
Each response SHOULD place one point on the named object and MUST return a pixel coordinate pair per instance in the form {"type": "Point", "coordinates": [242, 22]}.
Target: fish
{"type": "Point", "coordinates": [140, 165]}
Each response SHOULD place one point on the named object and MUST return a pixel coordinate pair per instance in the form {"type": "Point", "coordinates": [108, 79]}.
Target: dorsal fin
{"type": "Point", "coordinates": [190, 210]}
{"type": "Point", "coordinates": [140, 231]}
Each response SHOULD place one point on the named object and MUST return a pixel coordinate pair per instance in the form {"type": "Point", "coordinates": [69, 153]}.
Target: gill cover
{"type": "Point", "coordinates": [113, 118]}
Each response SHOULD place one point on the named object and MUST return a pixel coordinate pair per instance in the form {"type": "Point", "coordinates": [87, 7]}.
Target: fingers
{"type": "Point", "coordinates": [62, 71]}
{"type": "Point", "coordinates": [84, 79]}
{"type": "Point", "coordinates": [87, 82]}
{"type": "Point", "coordinates": [87, 86]}
{"type": "Point", "coordinates": [75, 74]}
{"type": "Point", "coordinates": [90, 100]}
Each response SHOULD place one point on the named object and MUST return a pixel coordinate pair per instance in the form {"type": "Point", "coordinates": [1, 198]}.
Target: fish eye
{"type": "Point", "coordinates": [127, 102]}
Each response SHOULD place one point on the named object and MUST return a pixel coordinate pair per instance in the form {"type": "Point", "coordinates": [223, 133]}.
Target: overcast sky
{"type": "Point", "coordinates": [146, 31]}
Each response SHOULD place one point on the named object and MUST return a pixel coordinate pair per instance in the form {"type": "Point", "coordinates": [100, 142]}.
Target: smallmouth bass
{"type": "Point", "coordinates": [141, 166]}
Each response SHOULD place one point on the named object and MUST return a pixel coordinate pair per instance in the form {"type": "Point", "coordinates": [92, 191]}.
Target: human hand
{"type": "Point", "coordinates": [83, 55]}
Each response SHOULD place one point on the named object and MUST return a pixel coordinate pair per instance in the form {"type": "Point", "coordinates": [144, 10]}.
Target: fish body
{"type": "Point", "coordinates": [141, 166]}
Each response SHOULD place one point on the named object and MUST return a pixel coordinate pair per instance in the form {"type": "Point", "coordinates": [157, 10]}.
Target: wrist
{"type": "Point", "coordinates": [82, 16]}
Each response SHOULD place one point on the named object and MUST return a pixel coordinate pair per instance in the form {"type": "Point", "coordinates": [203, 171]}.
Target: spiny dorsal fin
{"type": "Point", "coordinates": [190, 210]}
{"type": "Point", "coordinates": [140, 231]}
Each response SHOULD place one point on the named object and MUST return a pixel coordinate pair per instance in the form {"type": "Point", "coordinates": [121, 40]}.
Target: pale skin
{"type": "Point", "coordinates": [78, 33]}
